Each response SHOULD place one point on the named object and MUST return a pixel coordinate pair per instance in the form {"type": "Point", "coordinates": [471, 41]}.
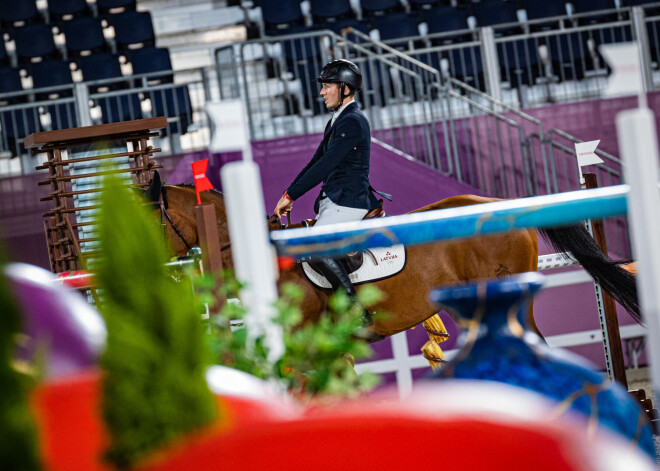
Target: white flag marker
{"type": "Point", "coordinates": [586, 155]}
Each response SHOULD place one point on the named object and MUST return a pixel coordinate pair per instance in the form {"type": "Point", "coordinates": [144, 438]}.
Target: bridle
{"type": "Point", "coordinates": [164, 215]}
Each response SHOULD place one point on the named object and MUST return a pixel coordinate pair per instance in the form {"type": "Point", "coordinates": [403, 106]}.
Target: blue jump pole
{"type": "Point", "coordinates": [454, 223]}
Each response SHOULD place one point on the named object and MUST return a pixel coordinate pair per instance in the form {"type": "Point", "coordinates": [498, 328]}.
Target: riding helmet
{"type": "Point", "coordinates": [342, 71]}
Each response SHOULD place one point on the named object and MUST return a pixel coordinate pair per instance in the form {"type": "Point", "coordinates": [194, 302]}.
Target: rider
{"type": "Point", "coordinates": [341, 162]}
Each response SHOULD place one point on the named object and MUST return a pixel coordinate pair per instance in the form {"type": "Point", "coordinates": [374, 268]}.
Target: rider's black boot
{"type": "Point", "coordinates": [337, 275]}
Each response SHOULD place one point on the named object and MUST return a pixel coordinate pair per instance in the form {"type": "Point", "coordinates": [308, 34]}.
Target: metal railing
{"type": "Point", "coordinates": [182, 100]}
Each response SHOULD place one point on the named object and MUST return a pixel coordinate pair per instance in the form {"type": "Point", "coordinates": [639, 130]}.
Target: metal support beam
{"type": "Point", "coordinates": [491, 63]}
{"type": "Point", "coordinates": [639, 28]}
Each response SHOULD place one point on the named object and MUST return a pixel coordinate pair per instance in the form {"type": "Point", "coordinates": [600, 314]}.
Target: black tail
{"type": "Point", "coordinates": [619, 283]}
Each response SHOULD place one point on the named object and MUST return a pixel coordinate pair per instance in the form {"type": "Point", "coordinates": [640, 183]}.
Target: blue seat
{"type": "Point", "coordinates": [114, 7]}
{"type": "Point", "coordinates": [519, 62]}
{"type": "Point", "coordinates": [34, 43]}
{"type": "Point", "coordinates": [298, 49]}
{"type": "Point", "coordinates": [496, 12]}
{"type": "Point", "coordinates": [84, 36]}
{"type": "Point", "coordinates": [133, 29]}
{"type": "Point", "coordinates": [546, 9]}
{"type": "Point", "coordinates": [569, 55]}
{"type": "Point", "coordinates": [445, 20]}
{"type": "Point", "coordinates": [173, 103]}
{"type": "Point", "coordinates": [17, 13]}
{"type": "Point", "coordinates": [467, 67]}
{"type": "Point", "coordinates": [424, 4]}
{"type": "Point", "coordinates": [50, 73]}
{"type": "Point", "coordinates": [151, 59]}
{"type": "Point", "coordinates": [119, 108]}
{"type": "Point", "coordinates": [324, 10]}
{"type": "Point", "coordinates": [379, 7]}
{"type": "Point", "coordinates": [586, 6]}
{"type": "Point", "coordinates": [337, 26]}
{"type": "Point", "coordinates": [99, 67]}
{"type": "Point", "coordinates": [10, 81]}
{"type": "Point", "coordinates": [396, 25]}
{"type": "Point", "coordinates": [4, 58]}
{"type": "Point", "coordinates": [282, 13]}
{"type": "Point", "coordinates": [62, 116]}
{"type": "Point", "coordinates": [65, 10]}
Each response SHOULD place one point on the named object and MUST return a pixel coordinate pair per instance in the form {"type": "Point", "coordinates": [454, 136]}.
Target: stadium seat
{"type": "Point", "coordinates": [519, 62]}
{"type": "Point", "coordinates": [569, 55]}
{"type": "Point", "coordinates": [51, 74]}
{"type": "Point", "coordinates": [10, 81]}
{"type": "Point", "coordinates": [151, 59]}
{"type": "Point", "coordinates": [324, 10]}
{"type": "Point", "coordinates": [99, 67]}
{"type": "Point", "coordinates": [119, 108]}
{"type": "Point", "coordinates": [396, 25]}
{"type": "Point", "coordinates": [445, 20]}
{"type": "Point", "coordinates": [467, 67]}
{"type": "Point", "coordinates": [586, 6]}
{"type": "Point", "coordinates": [133, 30]}
{"type": "Point", "coordinates": [4, 58]}
{"type": "Point", "coordinates": [337, 26]}
{"type": "Point", "coordinates": [537, 10]}
{"type": "Point", "coordinates": [281, 13]}
{"type": "Point", "coordinates": [298, 49]}
{"type": "Point", "coordinates": [34, 43]}
{"type": "Point", "coordinates": [17, 13]}
{"type": "Point", "coordinates": [114, 7]}
{"type": "Point", "coordinates": [424, 4]}
{"type": "Point", "coordinates": [65, 10]}
{"type": "Point", "coordinates": [173, 103]}
{"type": "Point", "coordinates": [496, 12]}
{"type": "Point", "coordinates": [379, 7]}
{"type": "Point", "coordinates": [84, 36]}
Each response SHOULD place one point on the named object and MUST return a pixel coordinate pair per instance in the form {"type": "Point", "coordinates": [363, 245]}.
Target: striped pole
{"type": "Point", "coordinates": [454, 223]}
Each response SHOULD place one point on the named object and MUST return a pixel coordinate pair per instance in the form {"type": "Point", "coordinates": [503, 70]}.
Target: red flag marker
{"type": "Point", "coordinates": [202, 183]}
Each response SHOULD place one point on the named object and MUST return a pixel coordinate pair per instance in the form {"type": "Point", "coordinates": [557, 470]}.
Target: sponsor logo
{"type": "Point", "coordinates": [389, 256]}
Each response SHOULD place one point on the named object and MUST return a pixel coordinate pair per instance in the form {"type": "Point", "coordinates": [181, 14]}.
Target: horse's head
{"type": "Point", "coordinates": [274, 223]}
{"type": "Point", "coordinates": [181, 228]}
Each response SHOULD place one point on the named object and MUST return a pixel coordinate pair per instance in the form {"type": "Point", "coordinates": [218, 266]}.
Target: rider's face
{"type": "Point", "coordinates": [330, 93]}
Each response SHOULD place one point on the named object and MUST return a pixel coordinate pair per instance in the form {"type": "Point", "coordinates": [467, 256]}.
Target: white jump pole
{"type": "Point", "coordinates": [638, 146]}
{"type": "Point", "coordinates": [254, 258]}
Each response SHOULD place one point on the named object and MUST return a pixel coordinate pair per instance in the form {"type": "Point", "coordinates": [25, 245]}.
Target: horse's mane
{"type": "Point", "coordinates": [190, 185]}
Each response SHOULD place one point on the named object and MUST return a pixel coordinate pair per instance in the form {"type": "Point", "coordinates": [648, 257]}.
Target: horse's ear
{"type": "Point", "coordinates": [153, 192]}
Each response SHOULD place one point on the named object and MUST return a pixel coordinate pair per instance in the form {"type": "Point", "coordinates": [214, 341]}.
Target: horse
{"type": "Point", "coordinates": [427, 266]}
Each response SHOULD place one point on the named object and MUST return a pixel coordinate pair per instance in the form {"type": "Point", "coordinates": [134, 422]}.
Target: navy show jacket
{"type": "Point", "coordinates": [341, 162]}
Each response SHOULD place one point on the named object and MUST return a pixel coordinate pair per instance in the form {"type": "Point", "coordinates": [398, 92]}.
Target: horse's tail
{"type": "Point", "coordinates": [619, 283]}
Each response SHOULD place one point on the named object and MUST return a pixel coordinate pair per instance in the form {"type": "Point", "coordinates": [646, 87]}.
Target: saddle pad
{"type": "Point", "coordinates": [378, 264]}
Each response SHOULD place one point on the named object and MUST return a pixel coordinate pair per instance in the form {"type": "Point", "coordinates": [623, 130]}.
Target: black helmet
{"type": "Point", "coordinates": [342, 71]}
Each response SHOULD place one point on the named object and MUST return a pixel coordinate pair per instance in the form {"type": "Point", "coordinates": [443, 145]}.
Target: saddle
{"type": "Point", "coordinates": [352, 261]}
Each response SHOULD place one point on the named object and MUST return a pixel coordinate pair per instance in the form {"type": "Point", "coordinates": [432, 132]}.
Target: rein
{"type": "Point", "coordinates": [162, 203]}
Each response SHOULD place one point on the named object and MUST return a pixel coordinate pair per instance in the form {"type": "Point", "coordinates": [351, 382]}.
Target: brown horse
{"type": "Point", "coordinates": [427, 266]}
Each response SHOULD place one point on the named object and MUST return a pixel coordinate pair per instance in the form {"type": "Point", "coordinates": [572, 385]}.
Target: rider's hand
{"type": "Point", "coordinates": [283, 206]}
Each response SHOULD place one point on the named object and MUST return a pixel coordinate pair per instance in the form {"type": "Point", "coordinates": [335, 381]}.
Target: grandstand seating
{"type": "Point", "coordinates": [114, 7]}
{"type": "Point", "coordinates": [133, 29]}
{"type": "Point", "coordinates": [99, 67]}
{"type": "Point", "coordinates": [445, 20]}
{"type": "Point", "coordinates": [4, 57]}
{"type": "Point", "coordinates": [84, 36]}
{"type": "Point", "coordinates": [16, 13]}
{"type": "Point", "coordinates": [50, 73]}
{"type": "Point", "coordinates": [278, 14]}
{"type": "Point", "coordinates": [495, 12]}
{"type": "Point", "coordinates": [424, 4]}
{"type": "Point", "coordinates": [536, 10]}
{"type": "Point", "coordinates": [569, 56]}
{"type": "Point", "coordinates": [323, 10]}
{"type": "Point", "coordinates": [396, 25]}
{"type": "Point", "coordinates": [64, 10]}
{"type": "Point", "coordinates": [338, 26]}
{"type": "Point", "coordinates": [519, 62]}
{"type": "Point", "coordinates": [151, 59]}
{"type": "Point", "coordinates": [10, 81]}
{"type": "Point", "coordinates": [34, 43]}
{"type": "Point", "coordinates": [379, 7]}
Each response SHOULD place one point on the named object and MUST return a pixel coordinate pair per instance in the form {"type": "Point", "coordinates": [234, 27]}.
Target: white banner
{"type": "Point", "coordinates": [586, 155]}
{"type": "Point", "coordinates": [626, 77]}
